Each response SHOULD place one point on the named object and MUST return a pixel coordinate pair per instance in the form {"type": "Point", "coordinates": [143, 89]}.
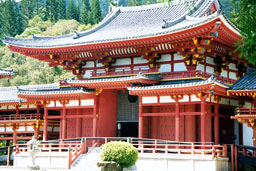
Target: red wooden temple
{"type": "Point", "coordinates": [6, 73]}
{"type": "Point", "coordinates": [156, 71]}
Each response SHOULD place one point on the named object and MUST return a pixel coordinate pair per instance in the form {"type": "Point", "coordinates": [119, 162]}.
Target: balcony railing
{"type": "Point", "coordinates": [167, 75]}
{"type": "Point", "coordinates": [124, 72]}
{"type": "Point", "coordinates": [20, 117]}
{"type": "Point", "coordinates": [246, 111]}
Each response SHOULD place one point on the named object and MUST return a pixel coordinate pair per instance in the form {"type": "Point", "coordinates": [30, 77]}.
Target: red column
{"type": "Point", "coordinates": [37, 111]}
{"type": "Point", "coordinates": [216, 124]}
{"type": "Point", "coordinates": [78, 124]}
{"type": "Point", "coordinates": [17, 111]}
{"type": "Point", "coordinates": [45, 123]}
{"type": "Point", "coordinates": [14, 134]}
{"type": "Point", "coordinates": [64, 123]}
{"type": "Point", "coordinates": [254, 136]}
{"type": "Point", "coordinates": [95, 113]}
{"type": "Point", "coordinates": [60, 131]}
{"type": "Point", "coordinates": [140, 118]}
{"type": "Point", "coordinates": [177, 121]}
{"type": "Point", "coordinates": [36, 132]}
{"type": "Point", "coordinates": [190, 123]}
{"type": "Point", "coordinates": [203, 120]}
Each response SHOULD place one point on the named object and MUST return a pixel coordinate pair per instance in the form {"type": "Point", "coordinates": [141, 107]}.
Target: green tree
{"type": "Point", "coordinates": [87, 5]}
{"type": "Point", "coordinates": [83, 15]}
{"type": "Point", "coordinates": [26, 13]}
{"type": "Point", "coordinates": [246, 17]}
{"type": "Point", "coordinates": [70, 10]}
{"type": "Point", "coordinates": [77, 11]}
{"type": "Point", "coordinates": [9, 18]}
{"type": "Point", "coordinates": [61, 9]}
{"type": "Point", "coordinates": [96, 11]}
{"type": "Point", "coordinates": [51, 7]}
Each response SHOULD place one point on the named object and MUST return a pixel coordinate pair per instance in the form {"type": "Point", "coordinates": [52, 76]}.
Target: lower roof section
{"type": "Point", "coordinates": [6, 73]}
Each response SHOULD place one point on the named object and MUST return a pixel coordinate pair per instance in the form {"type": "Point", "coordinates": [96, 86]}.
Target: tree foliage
{"type": "Point", "coordinates": [245, 17]}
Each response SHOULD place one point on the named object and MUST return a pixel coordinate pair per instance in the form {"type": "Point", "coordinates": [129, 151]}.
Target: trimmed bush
{"type": "Point", "coordinates": [122, 153]}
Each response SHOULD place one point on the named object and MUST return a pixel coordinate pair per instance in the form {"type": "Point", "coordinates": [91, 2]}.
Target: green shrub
{"type": "Point", "coordinates": [122, 153]}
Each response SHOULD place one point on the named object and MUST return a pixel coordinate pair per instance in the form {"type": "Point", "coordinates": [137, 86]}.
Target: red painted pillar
{"type": "Point", "coordinates": [95, 114]}
{"type": "Point", "coordinates": [17, 111]}
{"type": "Point", "coordinates": [78, 124]}
{"type": "Point", "coordinates": [45, 123]}
{"type": "Point", "coordinates": [254, 136]}
{"type": "Point", "coordinates": [216, 124]}
{"type": "Point", "coordinates": [60, 131]}
{"type": "Point", "coordinates": [64, 123]}
{"type": "Point", "coordinates": [190, 123]}
{"type": "Point", "coordinates": [15, 135]}
{"type": "Point", "coordinates": [37, 111]}
{"type": "Point", "coordinates": [177, 121]}
{"type": "Point", "coordinates": [140, 118]}
{"type": "Point", "coordinates": [36, 132]}
{"type": "Point", "coordinates": [203, 120]}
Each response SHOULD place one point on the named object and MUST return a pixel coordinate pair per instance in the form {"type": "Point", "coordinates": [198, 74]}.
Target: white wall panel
{"type": "Point", "coordinates": [122, 61]}
{"type": "Point", "coordinates": [149, 99]}
{"type": "Point", "coordinates": [73, 103]}
{"type": "Point", "coordinates": [139, 60]}
{"type": "Point", "coordinates": [166, 99]}
{"type": "Point", "coordinates": [179, 67]}
{"type": "Point", "coordinates": [87, 102]}
{"type": "Point", "coordinates": [165, 68]}
{"type": "Point", "coordinates": [165, 57]}
{"type": "Point", "coordinates": [178, 57]}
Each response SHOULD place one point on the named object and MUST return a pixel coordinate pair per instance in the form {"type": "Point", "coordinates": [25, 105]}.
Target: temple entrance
{"type": "Point", "coordinates": [127, 115]}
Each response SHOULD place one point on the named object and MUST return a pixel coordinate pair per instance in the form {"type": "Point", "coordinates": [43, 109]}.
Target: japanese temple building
{"type": "Point", "coordinates": [6, 73]}
{"type": "Point", "coordinates": [162, 71]}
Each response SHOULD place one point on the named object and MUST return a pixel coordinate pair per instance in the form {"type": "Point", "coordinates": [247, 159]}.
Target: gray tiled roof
{"type": "Point", "coordinates": [124, 23]}
{"type": "Point", "coordinates": [10, 94]}
{"type": "Point", "coordinates": [247, 82]}
{"type": "Point", "coordinates": [65, 90]}
{"type": "Point", "coordinates": [181, 84]}
{"type": "Point", "coordinates": [6, 71]}
{"type": "Point", "coordinates": [138, 76]}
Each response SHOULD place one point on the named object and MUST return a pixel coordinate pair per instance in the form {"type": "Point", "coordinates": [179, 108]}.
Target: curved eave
{"type": "Point", "coordinates": [112, 84]}
{"type": "Point", "coordinates": [242, 93]}
{"type": "Point", "coordinates": [13, 103]}
{"type": "Point", "coordinates": [168, 37]}
{"type": "Point", "coordinates": [37, 96]}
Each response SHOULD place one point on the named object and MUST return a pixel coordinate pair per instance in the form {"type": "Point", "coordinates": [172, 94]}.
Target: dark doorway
{"type": "Point", "coordinates": [127, 129]}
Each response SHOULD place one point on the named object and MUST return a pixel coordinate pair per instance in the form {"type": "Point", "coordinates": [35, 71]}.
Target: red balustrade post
{"type": "Point", "coordinates": [235, 157]}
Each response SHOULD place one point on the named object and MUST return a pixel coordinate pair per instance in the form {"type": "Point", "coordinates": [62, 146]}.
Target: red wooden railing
{"type": "Point", "coordinates": [21, 117]}
{"type": "Point", "coordinates": [241, 151]}
{"type": "Point", "coordinates": [124, 72]}
{"type": "Point", "coordinates": [196, 74]}
{"type": "Point", "coordinates": [246, 111]}
{"type": "Point", "coordinates": [167, 75]}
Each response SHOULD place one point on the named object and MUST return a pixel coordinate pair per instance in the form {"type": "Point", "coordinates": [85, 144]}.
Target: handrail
{"type": "Point", "coordinates": [125, 72]}
{"type": "Point", "coordinates": [76, 152]}
{"type": "Point", "coordinates": [21, 117]}
{"type": "Point", "coordinates": [7, 150]}
{"type": "Point", "coordinates": [246, 111]}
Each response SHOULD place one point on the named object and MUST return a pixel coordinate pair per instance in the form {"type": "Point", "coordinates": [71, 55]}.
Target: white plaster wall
{"type": "Point", "coordinates": [209, 69]}
{"type": "Point", "coordinates": [3, 107]}
{"type": "Point", "coordinates": [139, 60]}
{"type": "Point", "coordinates": [179, 67]}
{"type": "Point", "coordinates": [123, 61]}
{"type": "Point", "coordinates": [232, 75]}
{"type": "Point", "coordinates": [87, 74]}
{"type": "Point", "coordinates": [122, 69]}
{"type": "Point", "coordinates": [232, 66]}
{"type": "Point", "coordinates": [100, 71]}
{"type": "Point", "coordinates": [165, 68]}
{"type": "Point", "coordinates": [177, 57]}
{"type": "Point", "coordinates": [185, 99]}
{"type": "Point", "coordinates": [23, 107]}
{"type": "Point", "coordinates": [149, 99]}
{"type": "Point", "coordinates": [247, 135]}
{"type": "Point", "coordinates": [88, 102]}
{"type": "Point", "coordinates": [58, 104]}
{"type": "Point", "coordinates": [141, 68]}
{"type": "Point", "coordinates": [166, 99]}
{"type": "Point", "coordinates": [200, 67]}
{"type": "Point", "coordinates": [51, 104]}
{"type": "Point", "coordinates": [89, 64]}
{"type": "Point", "coordinates": [99, 64]}
{"type": "Point", "coordinates": [210, 60]}
{"type": "Point", "coordinates": [194, 98]}
{"type": "Point", "coordinates": [11, 107]}
{"type": "Point", "coordinates": [165, 57]}
{"type": "Point", "coordinates": [234, 102]}
{"type": "Point", "coordinates": [73, 103]}
{"type": "Point", "coordinates": [224, 73]}
{"type": "Point", "coordinates": [32, 106]}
